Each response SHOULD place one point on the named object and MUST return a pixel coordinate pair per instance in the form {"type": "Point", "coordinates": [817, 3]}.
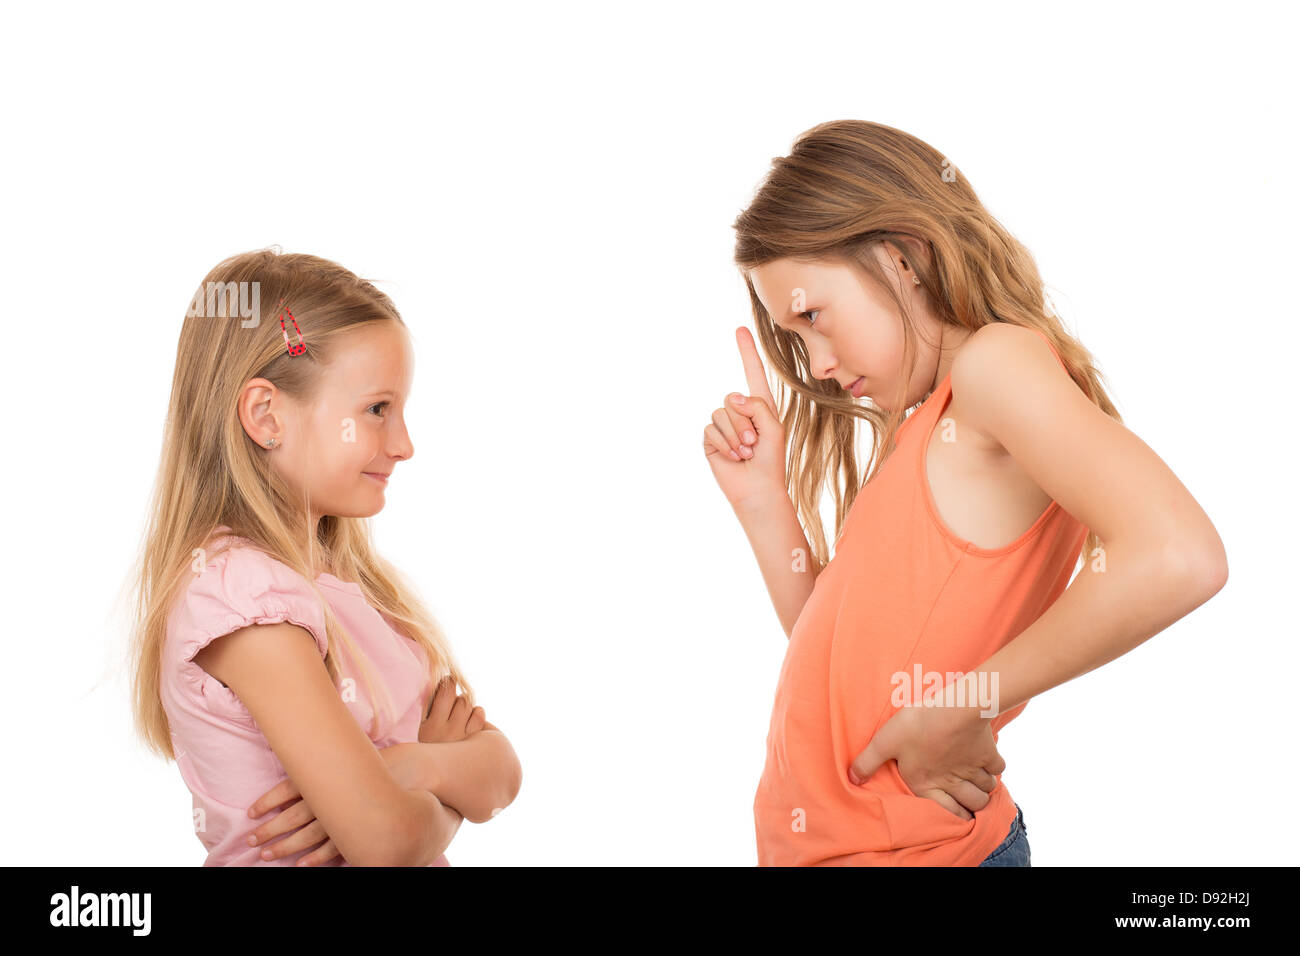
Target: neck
{"type": "Point", "coordinates": [951, 339]}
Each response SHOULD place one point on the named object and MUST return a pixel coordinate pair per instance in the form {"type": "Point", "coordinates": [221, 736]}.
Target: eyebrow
{"type": "Point", "coordinates": [790, 313]}
{"type": "Point", "coordinates": [778, 318]}
{"type": "Point", "coordinates": [379, 392]}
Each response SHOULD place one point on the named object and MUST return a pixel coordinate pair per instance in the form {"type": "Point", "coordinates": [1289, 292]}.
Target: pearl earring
{"type": "Point", "coordinates": [272, 442]}
{"type": "Point", "coordinates": [916, 280]}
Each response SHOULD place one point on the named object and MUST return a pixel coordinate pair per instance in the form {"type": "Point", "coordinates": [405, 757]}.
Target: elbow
{"type": "Point", "coordinates": [1215, 574]}
{"type": "Point", "coordinates": [1210, 572]}
{"type": "Point", "coordinates": [504, 793]}
{"type": "Point", "coordinates": [513, 782]}
{"type": "Point", "coordinates": [1217, 565]}
{"type": "Point", "coordinates": [1201, 566]}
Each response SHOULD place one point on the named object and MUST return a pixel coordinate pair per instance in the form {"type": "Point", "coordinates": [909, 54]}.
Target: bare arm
{"type": "Point", "coordinates": [745, 448]}
{"type": "Point", "coordinates": [276, 670]}
{"type": "Point", "coordinates": [1162, 557]}
{"type": "Point", "coordinates": [477, 776]}
{"type": "Point", "coordinates": [436, 825]}
{"type": "Point", "coordinates": [789, 568]}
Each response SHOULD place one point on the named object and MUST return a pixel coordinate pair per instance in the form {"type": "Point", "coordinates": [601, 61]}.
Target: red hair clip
{"type": "Point", "coordinates": [301, 347]}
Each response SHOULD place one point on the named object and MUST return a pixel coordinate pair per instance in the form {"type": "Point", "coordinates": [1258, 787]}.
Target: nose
{"type": "Point", "coordinates": [399, 446]}
{"type": "Point", "coordinates": [821, 362]}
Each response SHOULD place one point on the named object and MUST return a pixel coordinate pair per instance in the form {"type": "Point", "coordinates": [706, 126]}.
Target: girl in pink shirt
{"type": "Point", "coordinates": [324, 728]}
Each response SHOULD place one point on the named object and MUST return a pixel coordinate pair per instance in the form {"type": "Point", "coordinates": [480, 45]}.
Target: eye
{"type": "Point", "coordinates": [808, 313]}
{"type": "Point", "coordinates": [372, 408]}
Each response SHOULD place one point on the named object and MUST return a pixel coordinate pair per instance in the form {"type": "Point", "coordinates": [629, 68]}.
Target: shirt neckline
{"type": "Point", "coordinates": [223, 531]}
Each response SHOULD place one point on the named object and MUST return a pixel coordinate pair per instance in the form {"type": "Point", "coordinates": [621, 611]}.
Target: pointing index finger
{"type": "Point", "coordinates": [755, 374]}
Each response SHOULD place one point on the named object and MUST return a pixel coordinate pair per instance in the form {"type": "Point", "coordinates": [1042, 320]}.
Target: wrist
{"type": "Point", "coordinates": [430, 775]}
{"type": "Point", "coordinates": [971, 698]}
{"type": "Point", "coordinates": [761, 502]}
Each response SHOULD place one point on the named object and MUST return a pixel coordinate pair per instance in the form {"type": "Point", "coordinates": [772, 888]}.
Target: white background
{"type": "Point", "coordinates": [548, 193]}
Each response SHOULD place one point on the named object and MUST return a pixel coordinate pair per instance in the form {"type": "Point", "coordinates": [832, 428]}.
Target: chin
{"type": "Point", "coordinates": [368, 512]}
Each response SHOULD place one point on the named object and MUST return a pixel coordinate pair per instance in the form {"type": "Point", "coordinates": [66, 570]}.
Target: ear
{"type": "Point", "coordinates": [914, 252]}
{"type": "Point", "coordinates": [254, 409]}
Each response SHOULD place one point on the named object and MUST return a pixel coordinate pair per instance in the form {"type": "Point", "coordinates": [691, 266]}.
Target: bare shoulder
{"type": "Point", "coordinates": [1007, 370]}
{"type": "Point", "coordinates": [1000, 348]}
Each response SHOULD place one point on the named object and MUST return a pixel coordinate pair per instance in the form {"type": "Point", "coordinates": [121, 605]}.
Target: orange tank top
{"type": "Point", "coordinates": [902, 594]}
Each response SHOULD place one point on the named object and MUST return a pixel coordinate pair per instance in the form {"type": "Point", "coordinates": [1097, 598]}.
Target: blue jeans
{"type": "Point", "coordinates": [1014, 850]}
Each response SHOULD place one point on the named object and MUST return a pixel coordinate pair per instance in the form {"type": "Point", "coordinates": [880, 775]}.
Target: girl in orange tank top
{"type": "Point", "coordinates": [871, 266]}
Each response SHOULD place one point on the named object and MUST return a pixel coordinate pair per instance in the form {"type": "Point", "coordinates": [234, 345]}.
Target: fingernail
{"type": "Point", "coordinates": [266, 854]}
{"type": "Point", "coordinates": [749, 437]}
{"type": "Point", "coordinates": [855, 778]}
{"type": "Point", "coordinates": [733, 454]}
{"type": "Point", "coordinates": [744, 450]}
{"type": "Point", "coordinates": [252, 839]}
{"type": "Point", "coordinates": [738, 399]}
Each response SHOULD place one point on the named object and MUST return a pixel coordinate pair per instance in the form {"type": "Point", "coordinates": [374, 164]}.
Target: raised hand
{"type": "Point", "coordinates": [745, 444]}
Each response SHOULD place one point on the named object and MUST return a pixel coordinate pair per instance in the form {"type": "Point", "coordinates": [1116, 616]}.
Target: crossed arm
{"type": "Point", "coordinates": [478, 776]}
{"type": "Point", "coordinates": [470, 779]}
{"type": "Point", "coordinates": [373, 807]}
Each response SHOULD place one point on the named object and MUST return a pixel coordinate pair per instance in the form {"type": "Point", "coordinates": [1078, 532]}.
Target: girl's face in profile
{"type": "Point", "coordinates": [339, 449]}
{"type": "Point", "coordinates": [850, 329]}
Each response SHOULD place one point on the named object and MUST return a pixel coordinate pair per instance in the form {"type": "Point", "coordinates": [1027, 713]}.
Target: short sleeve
{"type": "Point", "coordinates": [237, 587]}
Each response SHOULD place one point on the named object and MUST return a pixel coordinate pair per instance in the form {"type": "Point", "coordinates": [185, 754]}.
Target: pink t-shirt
{"type": "Point", "coordinates": [221, 753]}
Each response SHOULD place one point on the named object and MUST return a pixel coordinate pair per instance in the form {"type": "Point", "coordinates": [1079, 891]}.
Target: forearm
{"type": "Point", "coordinates": [784, 557]}
{"type": "Point", "coordinates": [476, 775]}
{"type": "Point", "coordinates": [1100, 616]}
{"type": "Point", "coordinates": [430, 827]}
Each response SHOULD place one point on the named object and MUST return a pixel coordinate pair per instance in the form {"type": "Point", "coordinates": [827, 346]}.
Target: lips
{"type": "Point", "coordinates": [855, 387]}
{"type": "Point", "coordinates": [379, 476]}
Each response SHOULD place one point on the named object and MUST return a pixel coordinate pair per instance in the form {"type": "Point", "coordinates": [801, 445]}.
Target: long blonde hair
{"type": "Point", "coordinates": [847, 187]}
{"type": "Point", "coordinates": [212, 474]}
